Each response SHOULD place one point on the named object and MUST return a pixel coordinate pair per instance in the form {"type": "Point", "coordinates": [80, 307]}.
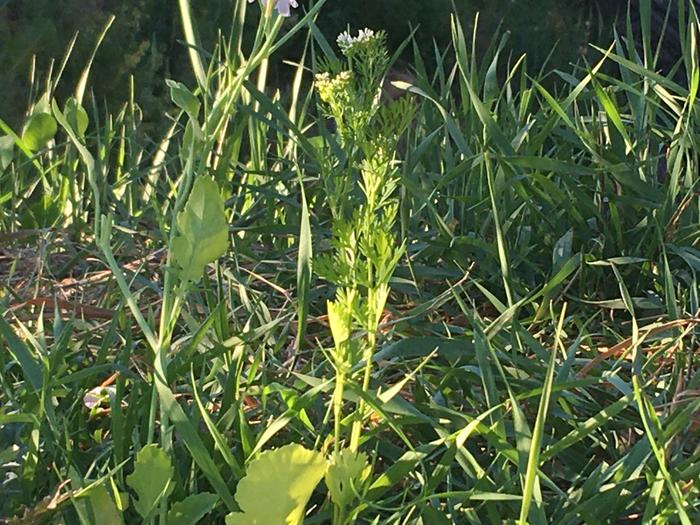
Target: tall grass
{"type": "Point", "coordinates": [536, 361]}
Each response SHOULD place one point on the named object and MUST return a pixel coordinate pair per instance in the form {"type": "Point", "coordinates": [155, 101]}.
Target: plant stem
{"type": "Point", "coordinates": [360, 414]}
{"type": "Point", "coordinates": [338, 512]}
{"type": "Point", "coordinates": [338, 408]}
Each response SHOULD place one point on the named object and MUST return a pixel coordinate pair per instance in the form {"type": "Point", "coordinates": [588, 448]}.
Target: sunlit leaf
{"type": "Point", "coordinates": [38, 130]}
{"type": "Point", "coordinates": [304, 269]}
{"type": "Point", "coordinates": [345, 470]}
{"type": "Point", "coordinates": [203, 230]}
{"type": "Point", "coordinates": [151, 479]}
{"type": "Point", "coordinates": [339, 320]}
{"type": "Point", "coordinates": [183, 98]}
{"type": "Point", "coordinates": [277, 487]}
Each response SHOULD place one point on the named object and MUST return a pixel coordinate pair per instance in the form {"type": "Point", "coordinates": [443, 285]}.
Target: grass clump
{"type": "Point", "coordinates": [477, 303]}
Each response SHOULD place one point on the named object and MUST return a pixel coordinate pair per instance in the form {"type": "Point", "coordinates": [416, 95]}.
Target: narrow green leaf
{"type": "Point", "coordinates": [82, 83]}
{"type": "Point", "coordinates": [192, 43]}
{"type": "Point", "coordinates": [33, 370]}
{"type": "Point", "coordinates": [190, 435]}
{"type": "Point", "coordinates": [396, 473]}
{"type": "Point", "coordinates": [304, 270]}
{"type": "Point", "coordinates": [218, 438]}
{"type": "Point", "coordinates": [533, 464]}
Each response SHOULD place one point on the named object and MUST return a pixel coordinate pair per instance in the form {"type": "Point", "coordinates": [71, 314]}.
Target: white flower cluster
{"type": "Point", "coordinates": [346, 41]}
{"type": "Point", "coordinates": [282, 6]}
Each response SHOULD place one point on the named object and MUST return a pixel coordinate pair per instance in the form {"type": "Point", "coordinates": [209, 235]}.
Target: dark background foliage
{"type": "Point", "coordinates": [144, 41]}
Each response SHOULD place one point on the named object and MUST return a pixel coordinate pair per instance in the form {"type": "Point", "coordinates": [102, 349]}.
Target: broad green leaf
{"type": "Point", "coordinates": [151, 479]}
{"type": "Point", "coordinates": [7, 150]}
{"type": "Point", "coordinates": [39, 129]}
{"type": "Point", "coordinates": [346, 469]}
{"type": "Point", "coordinates": [183, 98]}
{"type": "Point", "coordinates": [103, 507]}
{"type": "Point", "coordinates": [192, 509]}
{"type": "Point", "coordinates": [277, 487]}
{"type": "Point", "coordinates": [203, 230]}
{"type": "Point", "coordinates": [77, 116]}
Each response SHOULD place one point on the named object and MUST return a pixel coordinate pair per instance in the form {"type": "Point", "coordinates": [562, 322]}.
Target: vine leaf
{"type": "Point", "coordinates": [202, 230]}
{"type": "Point", "coordinates": [345, 469]}
{"type": "Point", "coordinates": [277, 487]}
{"type": "Point", "coordinates": [151, 479]}
{"type": "Point", "coordinates": [192, 509]}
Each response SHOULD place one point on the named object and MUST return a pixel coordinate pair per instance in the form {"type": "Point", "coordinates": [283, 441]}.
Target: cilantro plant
{"type": "Point", "coordinates": [361, 189]}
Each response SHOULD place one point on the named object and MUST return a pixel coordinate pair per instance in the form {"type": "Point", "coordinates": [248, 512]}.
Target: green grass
{"type": "Point", "coordinates": [542, 228]}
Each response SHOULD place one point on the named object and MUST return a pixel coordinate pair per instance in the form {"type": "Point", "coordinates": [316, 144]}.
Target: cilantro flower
{"type": "Point", "coordinates": [282, 6]}
{"type": "Point", "coordinates": [346, 41]}
{"type": "Point", "coordinates": [364, 35]}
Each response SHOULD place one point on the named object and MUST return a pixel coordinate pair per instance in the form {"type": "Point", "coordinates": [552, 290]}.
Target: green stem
{"type": "Point", "coordinates": [152, 415]}
{"type": "Point", "coordinates": [104, 245]}
{"type": "Point", "coordinates": [158, 345]}
{"type": "Point", "coordinates": [360, 414]}
{"type": "Point", "coordinates": [338, 511]}
{"type": "Point", "coordinates": [340, 516]}
{"type": "Point", "coordinates": [338, 408]}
